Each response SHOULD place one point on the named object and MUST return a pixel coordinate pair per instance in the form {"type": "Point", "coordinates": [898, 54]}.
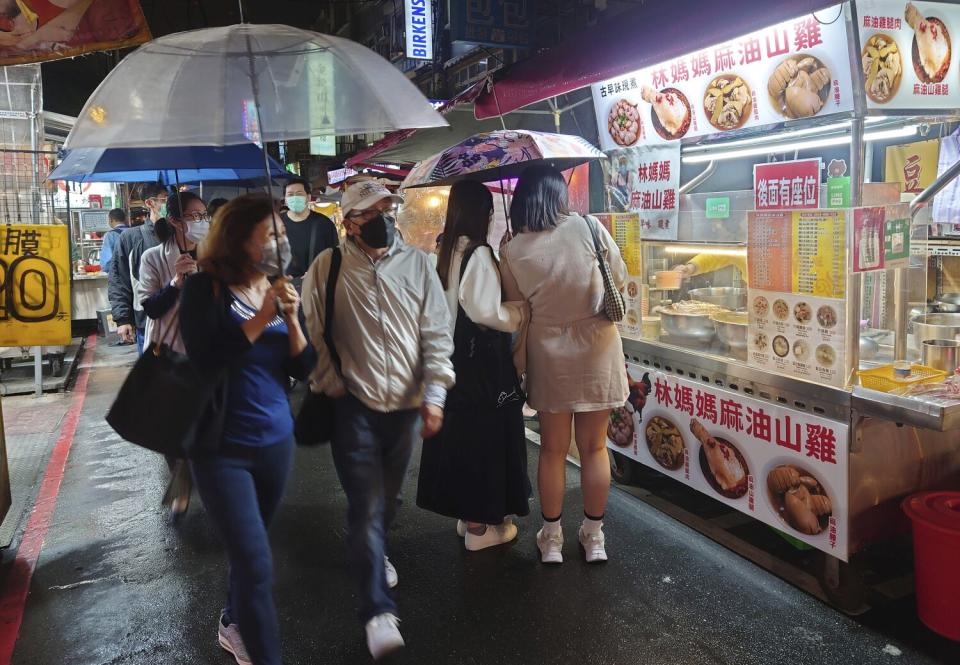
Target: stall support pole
{"type": "Point", "coordinates": [900, 312]}
{"type": "Point", "coordinates": [37, 371]}
{"type": "Point", "coordinates": [854, 281]}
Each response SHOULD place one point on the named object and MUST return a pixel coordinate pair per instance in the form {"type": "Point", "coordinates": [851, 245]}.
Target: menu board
{"type": "Point", "coordinates": [907, 54]}
{"type": "Point", "coordinates": [797, 335]}
{"type": "Point", "coordinates": [783, 467]}
{"type": "Point", "coordinates": [625, 229]}
{"type": "Point", "coordinates": [738, 84]}
{"type": "Point", "coordinates": [646, 179]}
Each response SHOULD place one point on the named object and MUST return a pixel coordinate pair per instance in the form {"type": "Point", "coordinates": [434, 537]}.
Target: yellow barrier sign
{"type": "Point", "coordinates": [34, 285]}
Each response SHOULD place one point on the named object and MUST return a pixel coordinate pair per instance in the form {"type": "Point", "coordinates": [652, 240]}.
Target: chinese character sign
{"type": "Point", "coordinates": [739, 84]}
{"type": "Point", "coordinates": [783, 467]}
{"type": "Point", "coordinates": [907, 55]}
{"type": "Point", "coordinates": [646, 180]}
{"type": "Point", "coordinates": [787, 185]}
{"type": "Point", "coordinates": [913, 165]}
{"type": "Point", "coordinates": [34, 285]}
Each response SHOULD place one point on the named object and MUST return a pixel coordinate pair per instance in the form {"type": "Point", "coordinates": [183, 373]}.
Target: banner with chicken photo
{"type": "Point", "coordinates": [907, 54]}
{"type": "Point", "coordinates": [784, 467]}
{"type": "Point", "coordinates": [796, 69]}
{"type": "Point", "coordinates": [38, 30]}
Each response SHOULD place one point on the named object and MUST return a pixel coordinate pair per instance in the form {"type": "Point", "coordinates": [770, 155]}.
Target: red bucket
{"type": "Point", "coordinates": [936, 554]}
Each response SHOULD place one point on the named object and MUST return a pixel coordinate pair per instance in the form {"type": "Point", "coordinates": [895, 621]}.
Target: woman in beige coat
{"type": "Point", "coordinates": [573, 357]}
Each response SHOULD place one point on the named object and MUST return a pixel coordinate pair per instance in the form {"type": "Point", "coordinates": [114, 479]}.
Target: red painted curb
{"type": "Point", "coordinates": [13, 597]}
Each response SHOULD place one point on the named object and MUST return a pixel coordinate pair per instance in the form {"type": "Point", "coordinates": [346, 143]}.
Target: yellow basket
{"type": "Point", "coordinates": [884, 380]}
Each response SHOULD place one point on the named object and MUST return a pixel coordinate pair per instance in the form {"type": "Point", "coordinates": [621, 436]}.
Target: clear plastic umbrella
{"type": "Point", "coordinates": [248, 84]}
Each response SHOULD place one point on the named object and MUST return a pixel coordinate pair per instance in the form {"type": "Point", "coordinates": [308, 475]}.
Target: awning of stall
{"type": "Point", "coordinates": [651, 33]}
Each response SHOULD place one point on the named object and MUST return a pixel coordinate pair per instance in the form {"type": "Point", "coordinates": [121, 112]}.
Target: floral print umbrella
{"type": "Point", "coordinates": [500, 155]}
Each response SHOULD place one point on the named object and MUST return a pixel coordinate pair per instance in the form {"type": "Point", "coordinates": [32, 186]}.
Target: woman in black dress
{"type": "Point", "coordinates": [476, 468]}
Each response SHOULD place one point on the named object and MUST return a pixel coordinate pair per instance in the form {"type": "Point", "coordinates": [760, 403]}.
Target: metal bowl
{"type": "Point", "coordinates": [727, 297]}
{"type": "Point", "coordinates": [695, 327]}
{"type": "Point", "coordinates": [731, 328]}
{"type": "Point", "coordinates": [935, 326]}
{"type": "Point", "coordinates": [950, 298]}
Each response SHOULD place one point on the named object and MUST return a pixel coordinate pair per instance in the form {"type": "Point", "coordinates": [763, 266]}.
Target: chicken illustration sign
{"type": "Point", "coordinates": [783, 467]}
{"type": "Point", "coordinates": [797, 69]}
{"type": "Point", "coordinates": [907, 54]}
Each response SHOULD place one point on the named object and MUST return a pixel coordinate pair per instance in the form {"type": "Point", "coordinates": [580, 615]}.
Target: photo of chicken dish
{"type": "Point", "coordinates": [826, 356]}
{"type": "Point", "coordinates": [931, 45]}
{"type": "Point", "coordinates": [801, 350]}
{"type": "Point", "coordinates": [781, 310]}
{"type": "Point", "coordinates": [781, 346]}
{"type": "Point", "coordinates": [632, 289]}
{"type": "Point", "coordinates": [802, 312]}
{"type": "Point", "coordinates": [799, 499]}
{"type": "Point", "coordinates": [624, 124]}
{"type": "Point", "coordinates": [665, 442]}
{"type": "Point", "coordinates": [728, 102]}
{"type": "Point", "coordinates": [761, 306]}
{"type": "Point", "coordinates": [799, 86]}
{"type": "Point", "coordinates": [670, 111]}
{"type": "Point", "coordinates": [723, 465]}
{"type": "Point", "coordinates": [760, 341]}
{"type": "Point", "coordinates": [882, 68]}
{"type": "Point", "coordinates": [620, 427]}
{"type": "Point", "coordinates": [827, 316]}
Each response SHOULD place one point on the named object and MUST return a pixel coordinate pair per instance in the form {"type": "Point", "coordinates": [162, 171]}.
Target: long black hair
{"type": "Point", "coordinates": [539, 200]}
{"type": "Point", "coordinates": [175, 207]}
{"type": "Point", "coordinates": [468, 215]}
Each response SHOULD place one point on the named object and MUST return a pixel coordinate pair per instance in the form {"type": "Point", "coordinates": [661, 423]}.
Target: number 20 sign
{"type": "Point", "coordinates": [34, 285]}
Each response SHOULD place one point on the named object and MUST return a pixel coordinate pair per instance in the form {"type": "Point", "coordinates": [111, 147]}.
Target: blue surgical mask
{"type": "Point", "coordinates": [297, 203]}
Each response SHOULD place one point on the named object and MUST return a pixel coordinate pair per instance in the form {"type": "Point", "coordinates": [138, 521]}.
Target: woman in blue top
{"type": "Point", "coordinates": [240, 323]}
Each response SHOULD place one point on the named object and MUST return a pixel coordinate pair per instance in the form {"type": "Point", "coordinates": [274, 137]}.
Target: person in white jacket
{"type": "Point", "coordinates": [163, 270]}
{"type": "Point", "coordinates": [475, 469]}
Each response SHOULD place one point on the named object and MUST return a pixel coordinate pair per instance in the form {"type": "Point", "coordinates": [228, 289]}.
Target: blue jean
{"type": "Point", "coordinates": [241, 488]}
{"type": "Point", "coordinates": [141, 333]}
{"type": "Point", "coordinates": [371, 451]}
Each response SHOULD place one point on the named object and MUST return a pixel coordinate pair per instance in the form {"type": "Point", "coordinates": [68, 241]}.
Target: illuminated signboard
{"type": "Point", "coordinates": [419, 18]}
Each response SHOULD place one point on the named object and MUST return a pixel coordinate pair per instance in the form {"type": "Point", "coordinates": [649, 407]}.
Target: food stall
{"type": "Point", "coordinates": [775, 363]}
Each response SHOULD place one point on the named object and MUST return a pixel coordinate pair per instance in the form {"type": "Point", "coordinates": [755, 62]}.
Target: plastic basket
{"type": "Point", "coordinates": [883, 379]}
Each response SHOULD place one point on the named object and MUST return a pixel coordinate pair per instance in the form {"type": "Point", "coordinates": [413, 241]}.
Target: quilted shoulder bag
{"type": "Point", "coordinates": [613, 304]}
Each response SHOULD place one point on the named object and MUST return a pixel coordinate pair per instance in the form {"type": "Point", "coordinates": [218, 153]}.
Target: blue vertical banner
{"type": "Point", "coordinates": [506, 23]}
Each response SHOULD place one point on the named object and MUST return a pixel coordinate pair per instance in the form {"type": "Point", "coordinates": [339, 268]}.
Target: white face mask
{"type": "Point", "coordinates": [197, 231]}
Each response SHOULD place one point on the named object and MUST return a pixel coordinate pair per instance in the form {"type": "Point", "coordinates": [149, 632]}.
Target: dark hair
{"type": "Point", "coordinates": [214, 205]}
{"type": "Point", "coordinates": [151, 190]}
{"type": "Point", "coordinates": [176, 204]}
{"type": "Point", "coordinates": [468, 215]}
{"type": "Point", "coordinates": [117, 215]}
{"type": "Point", "coordinates": [539, 200]}
{"type": "Point", "coordinates": [298, 181]}
{"type": "Point", "coordinates": [224, 254]}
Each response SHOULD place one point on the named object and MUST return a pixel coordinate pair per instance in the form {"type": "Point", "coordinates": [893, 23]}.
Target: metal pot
{"type": "Point", "coordinates": [731, 328]}
{"type": "Point", "coordinates": [727, 297]}
{"type": "Point", "coordinates": [695, 327]}
{"type": "Point", "coordinates": [935, 326]}
{"type": "Point", "coordinates": [943, 354]}
{"type": "Point", "coordinates": [946, 307]}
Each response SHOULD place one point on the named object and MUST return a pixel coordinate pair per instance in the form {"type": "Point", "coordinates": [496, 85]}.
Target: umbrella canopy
{"type": "Point", "coordinates": [248, 84]}
{"type": "Point", "coordinates": [501, 154]}
{"type": "Point", "coordinates": [165, 165]}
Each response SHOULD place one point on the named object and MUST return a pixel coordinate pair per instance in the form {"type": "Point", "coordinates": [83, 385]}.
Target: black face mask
{"type": "Point", "coordinates": [379, 232]}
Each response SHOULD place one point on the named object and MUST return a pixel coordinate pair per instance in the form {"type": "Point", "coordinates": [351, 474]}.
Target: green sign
{"type": "Point", "coordinates": [107, 201]}
{"type": "Point", "coordinates": [838, 192]}
{"type": "Point", "coordinates": [896, 243]}
{"type": "Point", "coordinates": [718, 207]}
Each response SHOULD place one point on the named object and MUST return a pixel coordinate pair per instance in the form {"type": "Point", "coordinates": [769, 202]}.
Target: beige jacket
{"type": "Point", "coordinates": [391, 327]}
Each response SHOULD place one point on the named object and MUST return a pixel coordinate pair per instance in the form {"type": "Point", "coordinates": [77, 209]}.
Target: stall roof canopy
{"type": "Point", "coordinates": [652, 33]}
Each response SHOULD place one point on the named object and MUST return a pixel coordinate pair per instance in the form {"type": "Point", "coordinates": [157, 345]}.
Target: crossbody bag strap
{"type": "Point", "coordinates": [312, 247]}
{"type": "Point", "coordinates": [335, 261]}
{"type": "Point", "coordinates": [596, 241]}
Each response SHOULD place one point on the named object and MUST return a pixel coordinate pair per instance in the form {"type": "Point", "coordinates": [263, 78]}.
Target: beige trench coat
{"type": "Point", "coordinates": [573, 356]}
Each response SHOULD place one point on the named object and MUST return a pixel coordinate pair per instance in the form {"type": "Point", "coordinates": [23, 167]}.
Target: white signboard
{"type": "Point", "coordinates": [741, 83]}
{"type": "Point", "coordinates": [783, 467]}
{"type": "Point", "coordinates": [419, 16]}
{"type": "Point", "coordinates": [907, 54]}
{"type": "Point", "coordinates": [646, 180]}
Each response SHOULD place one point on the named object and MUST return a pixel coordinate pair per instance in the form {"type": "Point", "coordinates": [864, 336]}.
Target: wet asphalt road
{"type": "Point", "coordinates": [116, 584]}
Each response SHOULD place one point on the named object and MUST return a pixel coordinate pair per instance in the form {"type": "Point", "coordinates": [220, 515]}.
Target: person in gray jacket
{"type": "Point", "coordinates": [391, 330]}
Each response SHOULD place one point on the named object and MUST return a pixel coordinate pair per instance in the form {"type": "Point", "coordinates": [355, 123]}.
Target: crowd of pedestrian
{"type": "Point", "coordinates": [403, 347]}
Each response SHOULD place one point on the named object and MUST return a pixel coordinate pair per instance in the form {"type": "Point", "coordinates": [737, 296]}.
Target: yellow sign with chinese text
{"type": "Point", "coordinates": [819, 253]}
{"type": "Point", "coordinates": [913, 165]}
{"type": "Point", "coordinates": [34, 285]}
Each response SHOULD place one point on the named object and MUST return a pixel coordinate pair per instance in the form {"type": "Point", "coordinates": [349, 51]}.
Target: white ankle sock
{"type": "Point", "coordinates": [591, 526]}
{"type": "Point", "coordinates": [551, 528]}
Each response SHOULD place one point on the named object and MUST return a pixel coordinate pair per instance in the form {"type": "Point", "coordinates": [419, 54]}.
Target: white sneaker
{"type": "Point", "coordinates": [594, 547]}
{"type": "Point", "coordinates": [392, 578]}
{"type": "Point", "coordinates": [493, 536]}
{"type": "Point", "coordinates": [383, 636]}
{"type": "Point", "coordinates": [551, 547]}
{"type": "Point", "coordinates": [461, 528]}
{"type": "Point", "coordinates": [230, 640]}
